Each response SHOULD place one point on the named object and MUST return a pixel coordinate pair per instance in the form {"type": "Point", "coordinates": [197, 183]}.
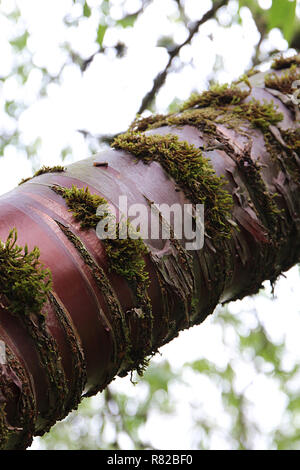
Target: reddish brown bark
{"type": "Point", "coordinates": [83, 331]}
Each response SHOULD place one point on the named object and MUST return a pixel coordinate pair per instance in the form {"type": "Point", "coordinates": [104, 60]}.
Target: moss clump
{"type": "Point", "coordinates": [4, 428]}
{"type": "Point", "coordinates": [125, 256]}
{"type": "Point", "coordinates": [259, 115]}
{"type": "Point", "coordinates": [218, 95]}
{"type": "Point", "coordinates": [44, 169]}
{"type": "Point", "coordinates": [126, 259]}
{"type": "Point", "coordinates": [82, 204]}
{"type": "Point", "coordinates": [200, 110]}
{"type": "Point", "coordinates": [191, 171]}
{"type": "Point", "coordinates": [49, 169]}
{"type": "Point", "coordinates": [284, 82]}
{"type": "Point", "coordinates": [142, 124]}
{"type": "Point", "coordinates": [23, 280]}
{"type": "Point", "coordinates": [292, 140]}
{"type": "Point", "coordinates": [245, 77]}
{"type": "Point", "coordinates": [264, 202]}
{"type": "Point", "coordinates": [285, 62]}
{"type": "Point", "coordinates": [204, 118]}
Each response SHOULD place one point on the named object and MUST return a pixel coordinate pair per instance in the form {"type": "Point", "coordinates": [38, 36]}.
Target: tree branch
{"type": "Point", "coordinates": [161, 77]}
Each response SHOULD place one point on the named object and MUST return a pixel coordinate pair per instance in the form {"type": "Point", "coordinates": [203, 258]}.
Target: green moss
{"type": "Point", "coordinates": [291, 138]}
{"type": "Point", "coordinates": [217, 95]}
{"type": "Point", "coordinates": [125, 255]}
{"type": "Point", "coordinates": [201, 118]}
{"type": "Point", "coordinates": [23, 280]}
{"type": "Point", "coordinates": [44, 169]}
{"type": "Point", "coordinates": [289, 153]}
{"type": "Point", "coordinates": [284, 82]}
{"type": "Point", "coordinates": [259, 115]}
{"type": "Point", "coordinates": [120, 331]}
{"type": "Point", "coordinates": [264, 201]}
{"type": "Point", "coordinates": [200, 110]}
{"type": "Point", "coordinates": [285, 62]}
{"type": "Point", "coordinates": [142, 124]}
{"type": "Point", "coordinates": [126, 259]}
{"type": "Point", "coordinates": [49, 169]}
{"type": "Point", "coordinates": [82, 204]}
{"type": "Point", "coordinates": [4, 429]}
{"type": "Point", "coordinates": [245, 77]}
{"type": "Point", "coordinates": [192, 172]}
{"type": "Point", "coordinates": [186, 166]}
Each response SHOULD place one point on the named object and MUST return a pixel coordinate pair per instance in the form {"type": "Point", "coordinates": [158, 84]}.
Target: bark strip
{"type": "Point", "coordinates": [234, 148]}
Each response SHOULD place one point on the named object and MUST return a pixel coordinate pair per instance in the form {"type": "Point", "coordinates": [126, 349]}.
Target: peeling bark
{"type": "Point", "coordinates": [94, 328]}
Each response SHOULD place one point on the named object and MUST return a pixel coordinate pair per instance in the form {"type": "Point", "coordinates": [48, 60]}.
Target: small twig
{"type": "Point", "coordinates": [100, 163]}
{"type": "Point", "coordinates": [255, 60]}
{"type": "Point", "coordinates": [85, 63]}
{"type": "Point", "coordinates": [161, 77]}
{"type": "Point", "coordinates": [101, 138]}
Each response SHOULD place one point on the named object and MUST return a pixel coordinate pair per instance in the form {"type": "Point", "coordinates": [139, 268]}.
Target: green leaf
{"type": "Point", "coordinates": [105, 7]}
{"type": "Point", "coordinates": [20, 42]}
{"type": "Point", "coordinates": [158, 378]}
{"type": "Point", "coordinates": [128, 21]}
{"type": "Point", "coordinates": [294, 404]}
{"type": "Point", "coordinates": [86, 10]}
{"type": "Point", "coordinates": [101, 33]}
{"type": "Point", "coordinates": [251, 4]}
{"type": "Point", "coordinates": [282, 15]}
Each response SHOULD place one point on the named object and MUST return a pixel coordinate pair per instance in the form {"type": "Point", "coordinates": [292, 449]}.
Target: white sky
{"type": "Point", "coordinates": [104, 100]}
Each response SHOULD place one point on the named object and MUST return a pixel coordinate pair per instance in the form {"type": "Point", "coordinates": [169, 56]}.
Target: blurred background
{"type": "Point", "coordinates": [75, 73]}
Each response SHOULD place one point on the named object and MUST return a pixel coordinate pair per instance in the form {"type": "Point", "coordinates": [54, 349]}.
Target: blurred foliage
{"type": "Point", "coordinates": [119, 419]}
{"type": "Point", "coordinates": [281, 14]}
{"type": "Point", "coordinates": [114, 16]}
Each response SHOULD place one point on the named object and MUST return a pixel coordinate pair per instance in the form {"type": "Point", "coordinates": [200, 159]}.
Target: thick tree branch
{"type": "Point", "coordinates": [114, 302]}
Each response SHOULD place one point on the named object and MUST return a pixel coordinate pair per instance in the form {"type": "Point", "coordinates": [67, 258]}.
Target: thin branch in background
{"type": "Point", "coordinates": [161, 77]}
{"type": "Point", "coordinates": [262, 29]}
{"type": "Point", "coordinates": [255, 59]}
{"type": "Point", "coordinates": [86, 62]}
{"type": "Point", "coordinates": [101, 139]}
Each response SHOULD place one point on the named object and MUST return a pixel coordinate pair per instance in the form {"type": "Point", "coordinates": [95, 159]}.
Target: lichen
{"type": "Point", "coordinates": [44, 169]}
{"type": "Point", "coordinates": [283, 82]}
{"type": "Point", "coordinates": [285, 62]}
{"type": "Point", "coordinates": [191, 171]}
{"type": "Point", "coordinates": [24, 282]}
